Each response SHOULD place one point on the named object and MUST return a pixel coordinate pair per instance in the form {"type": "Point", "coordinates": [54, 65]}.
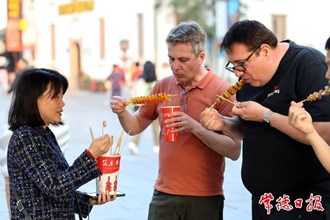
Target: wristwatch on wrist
{"type": "Point", "coordinates": [267, 116]}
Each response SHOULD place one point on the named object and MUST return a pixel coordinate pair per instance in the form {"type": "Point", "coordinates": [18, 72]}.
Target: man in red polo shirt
{"type": "Point", "coordinates": [191, 170]}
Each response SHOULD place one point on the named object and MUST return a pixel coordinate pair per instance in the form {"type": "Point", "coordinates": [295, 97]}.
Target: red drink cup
{"type": "Point", "coordinates": [170, 136]}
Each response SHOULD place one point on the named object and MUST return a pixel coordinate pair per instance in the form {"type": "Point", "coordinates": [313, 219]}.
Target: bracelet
{"type": "Point", "coordinates": [91, 155]}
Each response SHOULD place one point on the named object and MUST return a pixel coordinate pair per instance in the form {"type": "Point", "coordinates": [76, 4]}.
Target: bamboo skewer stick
{"type": "Point", "coordinates": [117, 150]}
{"type": "Point", "coordinates": [213, 105]}
{"type": "Point", "coordinates": [124, 144]}
{"type": "Point", "coordinates": [110, 149]}
{"type": "Point", "coordinates": [302, 101]}
{"type": "Point", "coordinates": [227, 100]}
{"type": "Point", "coordinates": [91, 132]}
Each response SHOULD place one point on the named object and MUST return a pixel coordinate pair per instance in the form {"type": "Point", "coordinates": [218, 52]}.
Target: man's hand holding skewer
{"type": "Point", "coordinates": [250, 111]}
{"type": "Point", "coordinates": [118, 104]}
{"type": "Point", "coordinates": [211, 119]}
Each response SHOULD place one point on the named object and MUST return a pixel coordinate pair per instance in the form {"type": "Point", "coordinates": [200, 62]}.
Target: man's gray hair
{"type": "Point", "coordinates": [188, 32]}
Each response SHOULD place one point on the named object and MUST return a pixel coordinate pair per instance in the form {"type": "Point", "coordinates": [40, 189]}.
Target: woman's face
{"type": "Point", "coordinates": [50, 109]}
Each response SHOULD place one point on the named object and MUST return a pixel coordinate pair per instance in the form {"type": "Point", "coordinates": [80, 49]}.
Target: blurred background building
{"type": "Point", "coordinates": [83, 38]}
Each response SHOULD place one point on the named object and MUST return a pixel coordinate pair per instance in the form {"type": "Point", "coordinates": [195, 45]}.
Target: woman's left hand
{"type": "Point", "coordinates": [102, 199]}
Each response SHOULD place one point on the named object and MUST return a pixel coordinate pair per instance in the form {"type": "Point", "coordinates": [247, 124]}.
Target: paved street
{"type": "Point", "coordinates": [137, 172]}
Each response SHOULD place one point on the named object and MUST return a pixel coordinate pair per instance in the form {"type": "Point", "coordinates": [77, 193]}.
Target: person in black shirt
{"type": "Point", "coordinates": [279, 167]}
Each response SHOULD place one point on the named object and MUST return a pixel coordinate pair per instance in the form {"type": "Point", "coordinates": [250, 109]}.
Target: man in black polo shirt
{"type": "Point", "coordinates": [281, 171]}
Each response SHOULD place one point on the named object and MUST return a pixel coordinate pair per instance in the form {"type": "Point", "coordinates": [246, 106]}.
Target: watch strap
{"type": "Point", "coordinates": [267, 116]}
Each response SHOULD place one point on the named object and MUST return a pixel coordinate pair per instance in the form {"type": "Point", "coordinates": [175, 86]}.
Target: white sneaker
{"type": "Point", "coordinates": [133, 148]}
{"type": "Point", "coordinates": [156, 149]}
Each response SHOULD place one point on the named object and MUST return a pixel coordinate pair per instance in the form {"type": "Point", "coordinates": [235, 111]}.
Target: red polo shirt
{"type": "Point", "coordinates": [188, 166]}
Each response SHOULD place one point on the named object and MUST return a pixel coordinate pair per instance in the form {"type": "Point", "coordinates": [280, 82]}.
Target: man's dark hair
{"type": "Point", "coordinates": [251, 33]}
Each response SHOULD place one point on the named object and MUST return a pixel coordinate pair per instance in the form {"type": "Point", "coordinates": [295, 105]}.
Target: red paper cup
{"type": "Point", "coordinates": [109, 166]}
{"type": "Point", "coordinates": [170, 136]}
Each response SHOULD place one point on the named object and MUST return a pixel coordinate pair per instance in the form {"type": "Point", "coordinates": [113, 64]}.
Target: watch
{"type": "Point", "coordinates": [267, 116]}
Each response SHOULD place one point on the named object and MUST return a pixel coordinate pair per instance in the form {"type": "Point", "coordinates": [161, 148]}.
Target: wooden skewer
{"type": "Point", "coordinates": [110, 149]}
{"type": "Point", "coordinates": [117, 150]}
{"type": "Point", "coordinates": [227, 100]}
{"type": "Point", "coordinates": [213, 105]}
{"type": "Point", "coordinates": [305, 100]}
{"type": "Point", "coordinates": [223, 98]}
{"type": "Point", "coordinates": [91, 132]}
{"type": "Point", "coordinates": [124, 144]}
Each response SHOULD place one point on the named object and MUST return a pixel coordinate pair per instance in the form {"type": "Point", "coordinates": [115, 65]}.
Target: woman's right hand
{"type": "Point", "coordinates": [100, 145]}
{"type": "Point", "coordinates": [300, 118]}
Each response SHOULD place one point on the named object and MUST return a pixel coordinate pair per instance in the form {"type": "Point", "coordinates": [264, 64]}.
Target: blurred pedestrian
{"type": "Point", "coordinates": [135, 70]}
{"type": "Point", "coordinates": [279, 168]}
{"type": "Point", "coordinates": [142, 87]}
{"type": "Point", "coordinates": [42, 184]}
{"type": "Point", "coordinates": [117, 80]}
{"type": "Point", "coordinates": [191, 170]}
{"type": "Point", "coordinates": [20, 66]}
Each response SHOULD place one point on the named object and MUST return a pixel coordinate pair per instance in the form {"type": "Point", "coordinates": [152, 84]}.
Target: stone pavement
{"type": "Point", "coordinates": [137, 172]}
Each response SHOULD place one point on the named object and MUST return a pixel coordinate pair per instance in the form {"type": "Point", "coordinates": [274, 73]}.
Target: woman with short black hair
{"type": "Point", "coordinates": [42, 184]}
